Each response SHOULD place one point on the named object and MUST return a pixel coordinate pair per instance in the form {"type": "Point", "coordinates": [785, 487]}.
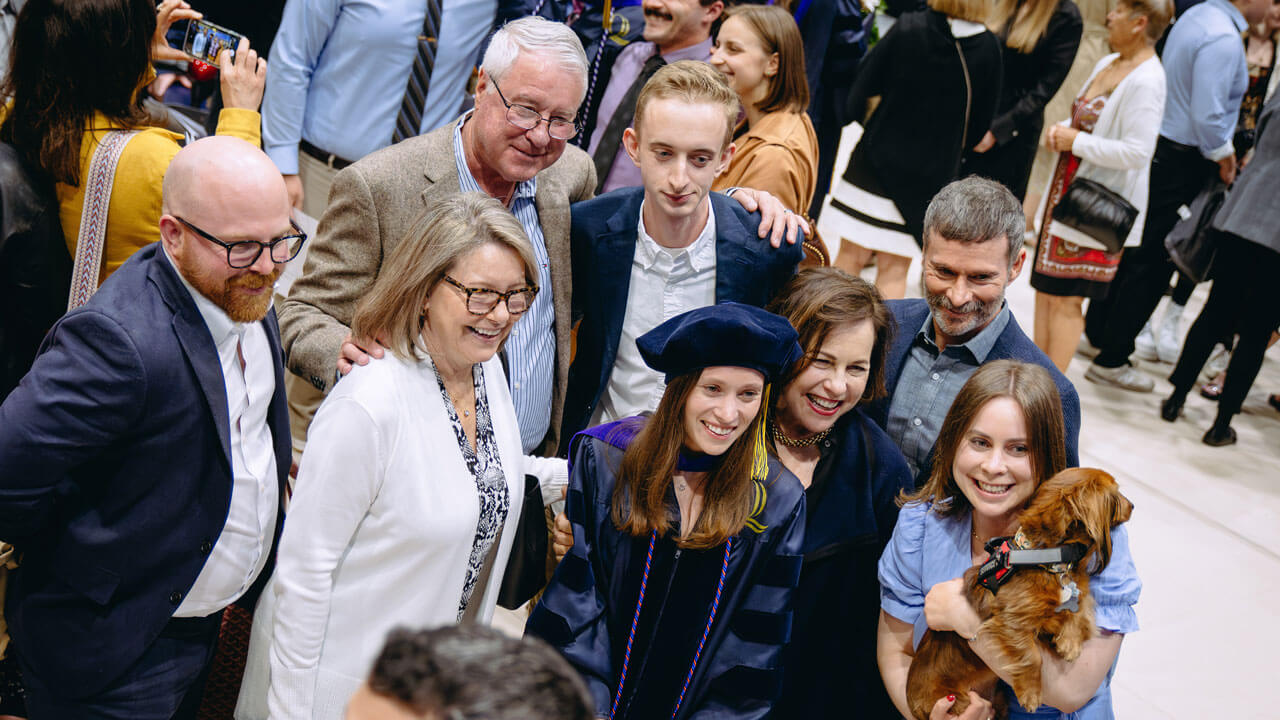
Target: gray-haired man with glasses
{"type": "Point", "coordinates": [143, 458]}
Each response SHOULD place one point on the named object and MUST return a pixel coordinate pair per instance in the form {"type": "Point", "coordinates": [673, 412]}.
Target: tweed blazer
{"type": "Point", "coordinates": [1250, 209]}
{"type": "Point", "coordinates": [372, 205]}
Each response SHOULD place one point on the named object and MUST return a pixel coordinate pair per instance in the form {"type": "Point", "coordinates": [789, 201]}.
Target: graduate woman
{"type": "Point", "coordinates": [674, 601]}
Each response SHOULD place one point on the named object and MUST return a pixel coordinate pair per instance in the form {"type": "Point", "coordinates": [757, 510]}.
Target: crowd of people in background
{"type": "Point", "coordinates": [411, 314]}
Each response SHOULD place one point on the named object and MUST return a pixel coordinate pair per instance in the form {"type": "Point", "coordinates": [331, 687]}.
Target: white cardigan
{"type": "Point", "coordinates": [1118, 152]}
{"type": "Point", "coordinates": [379, 531]}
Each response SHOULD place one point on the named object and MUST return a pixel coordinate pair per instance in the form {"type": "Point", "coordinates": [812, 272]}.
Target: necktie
{"type": "Point", "coordinates": [409, 121]}
{"type": "Point", "coordinates": [611, 140]}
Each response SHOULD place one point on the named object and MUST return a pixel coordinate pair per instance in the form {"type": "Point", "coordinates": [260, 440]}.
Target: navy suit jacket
{"type": "Point", "coordinates": [115, 475]}
{"type": "Point", "coordinates": [1013, 344]}
{"type": "Point", "coordinates": [603, 244]}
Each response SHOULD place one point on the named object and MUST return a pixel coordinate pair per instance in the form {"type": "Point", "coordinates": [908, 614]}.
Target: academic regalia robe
{"type": "Point", "coordinates": [588, 609]}
{"type": "Point", "coordinates": [850, 508]}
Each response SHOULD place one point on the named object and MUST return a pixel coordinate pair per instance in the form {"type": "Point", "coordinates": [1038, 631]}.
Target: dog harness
{"type": "Point", "coordinates": [1005, 555]}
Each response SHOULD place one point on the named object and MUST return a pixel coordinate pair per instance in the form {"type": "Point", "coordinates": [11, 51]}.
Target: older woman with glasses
{"type": "Point", "coordinates": [412, 480]}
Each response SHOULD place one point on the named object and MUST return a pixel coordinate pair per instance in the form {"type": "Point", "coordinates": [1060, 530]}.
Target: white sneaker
{"type": "Point", "coordinates": [1144, 346]}
{"type": "Point", "coordinates": [1125, 377]}
{"type": "Point", "coordinates": [1086, 349]}
{"type": "Point", "coordinates": [1168, 337]}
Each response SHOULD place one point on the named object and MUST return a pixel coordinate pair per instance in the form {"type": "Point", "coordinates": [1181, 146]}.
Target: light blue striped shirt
{"type": "Point", "coordinates": [1205, 70]}
{"type": "Point", "coordinates": [339, 69]}
{"type": "Point", "coordinates": [531, 348]}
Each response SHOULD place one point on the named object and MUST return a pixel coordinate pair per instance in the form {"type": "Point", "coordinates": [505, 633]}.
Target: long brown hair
{"type": "Point", "coordinates": [818, 300]}
{"type": "Point", "coordinates": [777, 31]}
{"type": "Point", "coordinates": [1026, 20]}
{"type": "Point", "coordinates": [648, 470]}
{"type": "Point", "coordinates": [1033, 389]}
{"type": "Point", "coordinates": [72, 58]}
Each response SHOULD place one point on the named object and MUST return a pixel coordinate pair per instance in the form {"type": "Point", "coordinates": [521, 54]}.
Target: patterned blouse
{"type": "Point", "coordinates": [491, 484]}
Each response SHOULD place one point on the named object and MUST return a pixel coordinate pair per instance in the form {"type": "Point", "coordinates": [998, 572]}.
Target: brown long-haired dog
{"type": "Point", "coordinates": [1078, 505]}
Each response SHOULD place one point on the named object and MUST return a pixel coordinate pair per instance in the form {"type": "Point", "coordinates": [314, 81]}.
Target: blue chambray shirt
{"type": "Point", "coordinates": [1207, 76]}
{"type": "Point", "coordinates": [929, 383]}
{"type": "Point", "coordinates": [531, 348]}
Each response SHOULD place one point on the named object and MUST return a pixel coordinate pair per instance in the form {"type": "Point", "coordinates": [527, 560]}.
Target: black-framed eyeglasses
{"type": "Point", "coordinates": [244, 253]}
{"type": "Point", "coordinates": [482, 301]}
{"type": "Point", "coordinates": [526, 118]}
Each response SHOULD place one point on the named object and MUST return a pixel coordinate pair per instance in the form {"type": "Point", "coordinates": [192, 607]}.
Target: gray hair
{"type": "Point", "coordinates": [473, 671]}
{"type": "Point", "coordinates": [538, 36]}
{"type": "Point", "coordinates": [976, 209]}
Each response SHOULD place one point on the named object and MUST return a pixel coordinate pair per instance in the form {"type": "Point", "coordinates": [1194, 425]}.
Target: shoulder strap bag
{"type": "Point", "coordinates": [93, 217]}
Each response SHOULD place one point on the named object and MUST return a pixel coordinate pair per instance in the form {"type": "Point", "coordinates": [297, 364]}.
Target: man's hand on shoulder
{"type": "Point", "coordinates": [357, 352]}
{"type": "Point", "coordinates": [776, 221]}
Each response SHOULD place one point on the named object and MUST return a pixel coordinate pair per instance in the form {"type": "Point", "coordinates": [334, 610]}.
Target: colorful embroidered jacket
{"type": "Point", "coordinates": [589, 609]}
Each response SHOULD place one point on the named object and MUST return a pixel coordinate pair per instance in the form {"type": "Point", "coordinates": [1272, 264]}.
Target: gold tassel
{"type": "Point", "coordinates": [760, 468]}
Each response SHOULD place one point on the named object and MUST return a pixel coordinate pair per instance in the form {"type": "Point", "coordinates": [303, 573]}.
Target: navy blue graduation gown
{"type": "Point", "coordinates": [588, 609]}
{"type": "Point", "coordinates": [831, 668]}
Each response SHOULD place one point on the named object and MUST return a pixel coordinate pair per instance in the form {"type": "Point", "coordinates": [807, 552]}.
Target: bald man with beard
{"type": "Point", "coordinates": [143, 458]}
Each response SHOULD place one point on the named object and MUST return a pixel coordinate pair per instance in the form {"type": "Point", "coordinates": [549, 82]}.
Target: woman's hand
{"type": "Point", "coordinates": [1060, 138]}
{"type": "Point", "coordinates": [979, 708]}
{"type": "Point", "coordinates": [168, 13]}
{"type": "Point", "coordinates": [243, 78]}
{"type": "Point", "coordinates": [561, 536]}
{"type": "Point", "coordinates": [947, 608]}
{"type": "Point", "coordinates": [987, 142]}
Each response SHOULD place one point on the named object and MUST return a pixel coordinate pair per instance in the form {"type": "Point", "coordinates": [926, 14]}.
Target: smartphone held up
{"type": "Point", "coordinates": [205, 41]}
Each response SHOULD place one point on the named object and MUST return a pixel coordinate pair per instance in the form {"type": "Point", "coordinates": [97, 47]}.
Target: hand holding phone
{"type": "Point", "coordinates": [168, 13]}
{"type": "Point", "coordinates": [206, 41]}
{"type": "Point", "coordinates": [244, 77]}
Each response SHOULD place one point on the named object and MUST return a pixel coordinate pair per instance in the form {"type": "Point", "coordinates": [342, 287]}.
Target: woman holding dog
{"type": "Point", "coordinates": [1002, 437]}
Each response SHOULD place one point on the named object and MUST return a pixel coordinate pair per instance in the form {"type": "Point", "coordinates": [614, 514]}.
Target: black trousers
{"type": "Point", "coordinates": [1178, 172]}
{"type": "Point", "coordinates": [1238, 303]}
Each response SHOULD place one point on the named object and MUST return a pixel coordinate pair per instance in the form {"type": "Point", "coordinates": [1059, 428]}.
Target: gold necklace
{"type": "Point", "coordinates": [802, 442]}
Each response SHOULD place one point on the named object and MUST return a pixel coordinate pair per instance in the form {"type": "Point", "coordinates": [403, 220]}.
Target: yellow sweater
{"type": "Point", "coordinates": [133, 217]}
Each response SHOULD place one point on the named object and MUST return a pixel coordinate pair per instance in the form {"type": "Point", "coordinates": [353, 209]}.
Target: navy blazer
{"type": "Point", "coordinates": [1013, 344]}
{"type": "Point", "coordinates": [603, 244]}
{"type": "Point", "coordinates": [115, 475]}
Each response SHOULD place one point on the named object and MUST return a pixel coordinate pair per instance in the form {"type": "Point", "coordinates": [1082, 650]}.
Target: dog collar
{"type": "Point", "coordinates": [1006, 554]}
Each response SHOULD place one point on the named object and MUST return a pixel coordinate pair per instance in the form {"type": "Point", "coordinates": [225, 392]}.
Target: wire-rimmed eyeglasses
{"type": "Point", "coordinates": [526, 118]}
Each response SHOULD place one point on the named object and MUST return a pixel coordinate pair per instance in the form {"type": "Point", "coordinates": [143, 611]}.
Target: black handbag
{"type": "Point", "coordinates": [1192, 243]}
{"type": "Point", "coordinates": [1094, 216]}
{"type": "Point", "coordinates": [526, 572]}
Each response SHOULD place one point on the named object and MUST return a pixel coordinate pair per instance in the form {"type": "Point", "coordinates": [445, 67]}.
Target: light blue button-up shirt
{"type": "Point", "coordinates": [1205, 70]}
{"type": "Point", "coordinates": [339, 69]}
{"type": "Point", "coordinates": [531, 347]}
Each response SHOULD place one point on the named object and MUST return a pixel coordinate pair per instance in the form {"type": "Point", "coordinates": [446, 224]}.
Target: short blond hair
{"type": "Point", "coordinates": [693, 82]}
{"type": "Point", "coordinates": [392, 311]}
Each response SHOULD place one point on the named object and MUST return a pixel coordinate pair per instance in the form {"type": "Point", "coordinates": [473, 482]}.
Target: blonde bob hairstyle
{"type": "Point", "coordinates": [439, 240]}
{"type": "Point", "coordinates": [1032, 388]}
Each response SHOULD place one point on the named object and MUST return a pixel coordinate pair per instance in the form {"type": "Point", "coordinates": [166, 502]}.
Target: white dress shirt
{"type": "Point", "coordinates": [242, 548]}
{"type": "Point", "coordinates": [665, 282]}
